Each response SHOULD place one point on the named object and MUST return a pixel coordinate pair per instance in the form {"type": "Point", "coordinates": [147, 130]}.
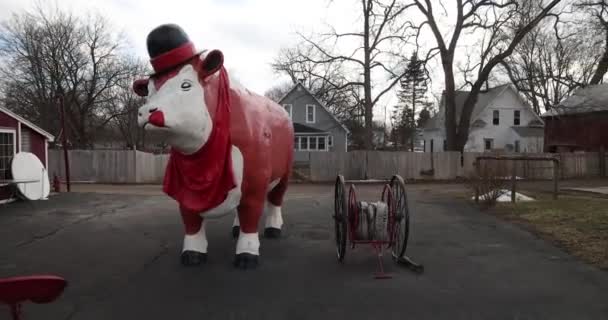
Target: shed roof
{"type": "Point", "coordinates": [29, 124]}
{"type": "Point", "coordinates": [584, 100]}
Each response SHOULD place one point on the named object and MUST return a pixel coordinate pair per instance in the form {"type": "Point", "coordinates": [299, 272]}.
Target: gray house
{"type": "Point", "coordinates": [316, 129]}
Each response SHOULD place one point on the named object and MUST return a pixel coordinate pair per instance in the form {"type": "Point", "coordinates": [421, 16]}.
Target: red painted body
{"type": "Point", "coordinates": [262, 131]}
{"type": "Point", "coordinates": [37, 289]}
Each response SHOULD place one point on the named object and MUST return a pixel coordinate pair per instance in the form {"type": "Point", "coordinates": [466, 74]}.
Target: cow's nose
{"type": "Point", "coordinates": [152, 110]}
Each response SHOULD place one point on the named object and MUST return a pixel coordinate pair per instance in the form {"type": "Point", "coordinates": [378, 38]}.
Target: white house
{"type": "Point", "coordinates": [501, 121]}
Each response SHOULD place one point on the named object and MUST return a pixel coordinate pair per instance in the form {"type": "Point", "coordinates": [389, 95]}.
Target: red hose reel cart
{"type": "Point", "coordinates": [384, 224]}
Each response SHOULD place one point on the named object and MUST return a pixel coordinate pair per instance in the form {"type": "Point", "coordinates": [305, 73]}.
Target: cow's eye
{"type": "Point", "coordinates": [186, 85]}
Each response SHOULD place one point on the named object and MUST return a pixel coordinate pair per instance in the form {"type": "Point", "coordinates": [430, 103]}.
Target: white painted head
{"type": "Point", "coordinates": [176, 104]}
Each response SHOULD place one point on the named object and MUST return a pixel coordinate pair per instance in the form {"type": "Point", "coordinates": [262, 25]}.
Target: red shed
{"type": "Point", "coordinates": [16, 135]}
{"type": "Point", "coordinates": [580, 122]}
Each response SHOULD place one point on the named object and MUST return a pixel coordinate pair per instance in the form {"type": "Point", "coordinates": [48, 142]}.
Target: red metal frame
{"type": "Point", "coordinates": [37, 288]}
{"type": "Point", "coordinates": [353, 218]}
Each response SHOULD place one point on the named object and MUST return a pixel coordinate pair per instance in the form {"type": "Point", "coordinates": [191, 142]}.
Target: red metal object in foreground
{"type": "Point", "coordinates": [380, 273]}
{"type": "Point", "coordinates": [37, 289]}
{"type": "Point", "coordinates": [386, 226]}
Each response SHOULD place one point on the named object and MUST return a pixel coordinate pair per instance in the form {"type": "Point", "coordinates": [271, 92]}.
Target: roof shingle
{"type": "Point", "coordinates": [584, 100]}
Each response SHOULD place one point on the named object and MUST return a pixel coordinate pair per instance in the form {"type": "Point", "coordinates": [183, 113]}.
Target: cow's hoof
{"type": "Point", "coordinates": [246, 261]}
{"type": "Point", "coordinates": [235, 232]}
{"type": "Point", "coordinates": [192, 258]}
{"type": "Point", "coordinates": [272, 233]}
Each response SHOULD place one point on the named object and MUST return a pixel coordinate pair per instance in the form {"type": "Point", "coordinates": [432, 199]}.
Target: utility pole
{"type": "Point", "coordinates": [64, 141]}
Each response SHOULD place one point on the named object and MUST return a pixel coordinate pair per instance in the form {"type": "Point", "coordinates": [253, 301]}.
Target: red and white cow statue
{"type": "Point", "coordinates": [231, 149]}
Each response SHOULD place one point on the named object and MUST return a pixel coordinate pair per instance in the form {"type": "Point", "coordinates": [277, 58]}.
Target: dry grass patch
{"type": "Point", "coordinates": [577, 223]}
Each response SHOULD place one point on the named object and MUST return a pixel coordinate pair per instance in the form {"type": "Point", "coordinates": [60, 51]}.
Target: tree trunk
{"type": "Point", "coordinates": [465, 117]}
{"type": "Point", "coordinates": [602, 66]}
{"type": "Point", "coordinates": [450, 104]}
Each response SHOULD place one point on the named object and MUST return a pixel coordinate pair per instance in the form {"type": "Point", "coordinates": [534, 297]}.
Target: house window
{"type": "Point", "coordinates": [296, 143]}
{"type": "Point", "coordinates": [445, 145]}
{"type": "Point", "coordinates": [310, 143]}
{"type": "Point", "coordinates": [321, 143]}
{"type": "Point", "coordinates": [330, 141]}
{"type": "Point", "coordinates": [516, 117]}
{"type": "Point", "coordinates": [7, 151]}
{"type": "Point", "coordinates": [310, 113]}
{"type": "Point", "coordinates": [288, 108]}
{"type": "Point", "coordinates": [303, 143]}
{"type": "Point", "coordinates": [517, 146]}
{"type": "Point", "coordinates": [432, 145]}
{"type": "Point", "coordinates": [496, 117]}
{"type": "Point", "coordinates": [423, 145]}
{"type": "Point", "coordinates": [489, 144]}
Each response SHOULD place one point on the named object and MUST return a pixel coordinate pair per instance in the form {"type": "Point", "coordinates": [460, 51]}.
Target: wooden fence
{"type": "Point", "coordinates": [109, 166]}
{"type": "Point", "coordinates": [131, 166]}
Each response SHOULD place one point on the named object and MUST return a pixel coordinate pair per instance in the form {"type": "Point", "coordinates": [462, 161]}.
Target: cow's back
{"type": "Point", "coordinates": [263, 131]}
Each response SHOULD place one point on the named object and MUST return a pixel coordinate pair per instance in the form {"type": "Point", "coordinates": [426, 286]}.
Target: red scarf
{"type": "Point", "coordinates": [201, 181]}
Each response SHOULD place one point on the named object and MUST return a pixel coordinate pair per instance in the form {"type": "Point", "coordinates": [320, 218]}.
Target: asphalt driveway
{"type": "Point", "coordinates": [120, 254]}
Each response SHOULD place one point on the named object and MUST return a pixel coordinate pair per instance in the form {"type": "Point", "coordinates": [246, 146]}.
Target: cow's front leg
{"type": "Point", "coordinates": [248, 243]}
{"type": "Point", "coordinates": [194, 251]}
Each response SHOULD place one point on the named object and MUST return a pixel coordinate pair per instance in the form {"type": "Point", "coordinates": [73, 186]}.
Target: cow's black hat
{"type": "Point", "coordinates": [169, 46]}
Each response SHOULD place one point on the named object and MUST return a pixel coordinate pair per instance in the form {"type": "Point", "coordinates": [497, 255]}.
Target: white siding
{"type": "Point", "coordinates": [506, 103]}
{"type": "Point", "coordinates": [502, 134]}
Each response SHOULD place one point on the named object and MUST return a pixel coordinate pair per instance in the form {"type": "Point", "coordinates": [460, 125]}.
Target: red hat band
{"type": "Point", "coordinates": [173, 58]}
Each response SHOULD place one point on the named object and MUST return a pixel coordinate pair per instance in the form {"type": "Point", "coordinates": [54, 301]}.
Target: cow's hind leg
{"type": "Point", "coordinates": [274, 217]}
{"type": "Point", "coordinates": [236, 226]}
{"type": "Point", "coordinates": [248, 243]}
{"type": "Point", "coordinates": [194, 251]}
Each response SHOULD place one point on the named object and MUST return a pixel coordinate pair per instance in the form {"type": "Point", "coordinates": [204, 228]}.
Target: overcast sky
{"type": "Point", "coordinates": [249, 32]}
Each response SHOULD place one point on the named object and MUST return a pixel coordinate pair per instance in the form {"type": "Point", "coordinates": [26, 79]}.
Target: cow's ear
{"type": "Point", "coordinates": [141, 87]}
{"type": "Point", "coordinates": [211, 63]}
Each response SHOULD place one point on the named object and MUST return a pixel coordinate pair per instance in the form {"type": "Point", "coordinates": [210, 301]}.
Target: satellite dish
{"type": "Point", "coordinates": [30, 176]}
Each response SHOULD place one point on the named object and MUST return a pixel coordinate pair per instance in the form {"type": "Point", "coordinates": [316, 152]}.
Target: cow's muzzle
{"type": "Point", "coordinates": [156, 118]}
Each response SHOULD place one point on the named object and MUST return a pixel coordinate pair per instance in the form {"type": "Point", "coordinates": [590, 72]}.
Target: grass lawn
{"type": "Point", "coordinates": [577, 223]}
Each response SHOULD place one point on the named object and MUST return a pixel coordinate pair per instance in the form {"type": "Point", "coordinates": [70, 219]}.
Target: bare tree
{"type": "Point", "coordinates": [381, 37]}
{"type": "Point", "coordinates": [500, 24]}
{"type": "Point", "coordinates": [598, 10]}
{"type": "Point", "coordinates": [123, 104]}
{"type": "Point", "coordinates": [325, 80]}
{"type": "Point", "coordinates": [551, 62]}
{"type": "Point", "coordinates": [49, 52]}
{"type": "Point", "coordinates": [277, 92]}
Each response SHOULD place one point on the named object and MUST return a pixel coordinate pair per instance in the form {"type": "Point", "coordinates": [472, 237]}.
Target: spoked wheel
{"type": "Point", "coordinates": [402, 217]}
{"type": "Point", "coordinates": [340, 217]}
